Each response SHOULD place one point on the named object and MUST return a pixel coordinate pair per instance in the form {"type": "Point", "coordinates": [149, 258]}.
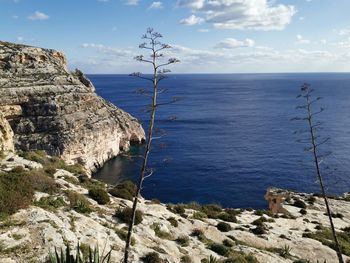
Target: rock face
{"type": "Point", "coordinates": [275, 198]}
{"type": "Point", "coordinates": [51, 109]}
{"type": "Point", "coordinates": [6, 136]}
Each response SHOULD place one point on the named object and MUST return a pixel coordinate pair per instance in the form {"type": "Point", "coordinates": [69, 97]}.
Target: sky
{"type": "Point", "coordinates": [208, 36]}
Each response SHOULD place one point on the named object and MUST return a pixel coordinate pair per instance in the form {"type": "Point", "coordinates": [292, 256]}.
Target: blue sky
{"type": "Point", "coordinates": [208, 36]}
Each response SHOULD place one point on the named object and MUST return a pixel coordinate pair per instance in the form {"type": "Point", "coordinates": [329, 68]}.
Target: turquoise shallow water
{"type": "Point", "coordinates": [232, 137]}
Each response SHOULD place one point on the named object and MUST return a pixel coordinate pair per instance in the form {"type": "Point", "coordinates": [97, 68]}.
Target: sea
{"type": "Point", "coordinates": [229, 137]}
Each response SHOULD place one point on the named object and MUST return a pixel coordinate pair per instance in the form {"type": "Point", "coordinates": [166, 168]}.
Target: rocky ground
{"type": "Point", "coordinates": [178, 233]}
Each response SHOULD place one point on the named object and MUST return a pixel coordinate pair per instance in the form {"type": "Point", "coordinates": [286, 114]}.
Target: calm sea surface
{"type": "Point", "coordinates": [232, 137]}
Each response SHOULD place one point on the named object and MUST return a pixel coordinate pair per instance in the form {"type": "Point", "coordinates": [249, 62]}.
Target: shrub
{"type": "Point", "coordinates": [303, 211]}
{"type": "Point", "coordinates": [160, 233]}
{"type": "Point", "coordinates": [152, 257]}
{"type": "Point", "coordinates": [78, 202]}
{"type": "Point", "coordinates": [262, 212]}
{"type": "Point", "coordinates": [35, 156]}
{"type": "Point", "coordinates": [212, 210]}
{"type": "Point", "coordinates": [346, 229]}
{"type": "Point", "coordinates": [311, 200]}
{"type": "Point", "coordinates": [100, 195]}
{"type": "Point", "coordinates": [50, 202]}
{"type": "Point", "coordinates": [259, 230]}
{"type": "Point", "coordinates": [260, 221]}
{"type": "Point", "coordinates": [125, 215]}
{"type": "Point", "coordinates": [299, 203]}
{"type": "Point", "coordinates": [41, 182]}
{"type": "Point", "coordinates": [324, 235]}
{"type": "Point", "coordinates": [199, 215]}
{"type": "Point", "coordinates": [228, 243]}
{"type": "Point", "coordinates": [184, 241]}
{"type": "Point", "coordinates": [186, 259]}
{"type": "Point", "coordinates": [173, 221]}
{"type": "Point", "coordinates": [125, 190]}
{"type": "Point", "coordinates": [197, 232]}
{"type": "Point", "coordinates": [16, 192]}
{"type": "Point", "coordinates": [228, 217]}
{"type": "Point", "coordinates": [219, 249]}
{"type": "Point", "coordinates": [223, 227]}
{"type": "Point", "coordinates": [177, 209]}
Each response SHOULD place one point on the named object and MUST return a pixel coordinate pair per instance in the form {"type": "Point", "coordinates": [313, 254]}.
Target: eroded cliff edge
{"type": "Point", "coordinates": [49, 108]}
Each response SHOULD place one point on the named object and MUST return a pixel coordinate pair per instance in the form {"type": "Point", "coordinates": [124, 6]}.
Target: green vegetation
{"type": "Point", "coordinates": [16, 192]}
{"type": "Point", "coordinates": [220, 249]}
{"type": "Point", "coordinates": [125, 190]}
{"type": "Point", "coordinates": [263, 212]}
{"type": "Point", "coordinates": [223, 227]}
{"type": "Point", "coordinates": [78, 202]}
{"type": "Point", "coordinates": [152, 257]}
{"type": "Point", "coordinates": [303, 211]}
{"type": "Point", "coordinates": [211, 259]}
{"type": "Point", "coordinates": [100, 195]}
{"type": "Point", "coordinates": [173, 221]}
{"type": "Point", "coordinates": [161, 233]}
{"type": "Point", "coordinates": [122, 234]}
{"type": "Point", "coordinates": [183, 241]}
{"type": "Point", "coordinates": [229, 215]}
{"type": "Point", "coordinates": [50, 202]}
{"type": "Point", "coordinates": [213, 211]}
{"type": "Point", "coordinates": [261, 220]}
{"type": "Point", "coordinates": [228, 243]}
{"type": "Point", "coordinates": [66, 256]}
{"type": "Point", "coordinates": [239, 257]}
{"type": "Point", "coordinates": [125, 215]}
{"type": "Point", "coordinates": [52, 163]}
{"type": "Point", "coordinates": [177, 209]}
{"type": "Point", "coordinates": [259, 230]}
{"type": "Point", "coordinates": [299, 203]}
{"type": "Point", "coordinates": [324, 235]}
{"type": "Point", "coordinates": [283, 251]}
{"type": "Point", "coordinates": [186, 259]}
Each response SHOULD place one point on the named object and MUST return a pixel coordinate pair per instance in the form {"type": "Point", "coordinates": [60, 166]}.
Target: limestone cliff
{"type": "Point", "coordinates": [52, 109]}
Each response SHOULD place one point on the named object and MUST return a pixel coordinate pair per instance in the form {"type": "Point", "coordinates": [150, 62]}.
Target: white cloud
{"type": "Point", "coordinates": [104, 59]}
{"type": "Point", "coordinates": [38, 16]}
{"type": "Point", "coordinates": [231, 43]}
{"type": "Point", "coordinates": [203, 30]}
{"type": "Point", "coordinates": [156, 5]}
{"type": "Point", "coordinates": [242, 14]}
{"type": "Point", "coordinates": [132, 2]}
{"type": "Point", "coordinates": [344, 44]}
{"type": "Point", "coordinates": [342, 32]}
{"type": "Point", "coordinates": [119, 52]}
{"type": "Point", "coordinates": [103, 1]}
{"type": "Point", "coordinates": [192, 20]}
{"type": "Point", "coordinates": [15, 17]}
{"type": "Point", "coordinates": [302, 40]}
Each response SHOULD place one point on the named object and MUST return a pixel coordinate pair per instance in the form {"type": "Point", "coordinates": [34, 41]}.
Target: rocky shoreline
{"type": "Point", "coordinates": [178, 233]}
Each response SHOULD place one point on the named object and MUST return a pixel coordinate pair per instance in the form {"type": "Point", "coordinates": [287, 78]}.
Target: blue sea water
{"type": "Point", "coordinates": [232, 137]}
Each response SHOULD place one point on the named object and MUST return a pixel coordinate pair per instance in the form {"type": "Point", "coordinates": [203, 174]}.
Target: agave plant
{"type": "Point", "coordinates": [66, 257]}
{"type": "Point", "coordinates": [212, 259]}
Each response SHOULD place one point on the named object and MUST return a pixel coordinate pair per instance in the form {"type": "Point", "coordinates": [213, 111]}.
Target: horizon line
{"type": "Point", "coordinates": [236, 73]}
